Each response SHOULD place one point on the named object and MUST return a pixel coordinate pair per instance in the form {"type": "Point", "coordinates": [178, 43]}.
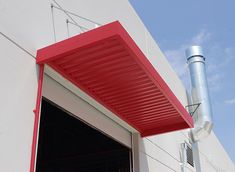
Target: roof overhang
{"type": "Point", "coordinates": [107, 64]}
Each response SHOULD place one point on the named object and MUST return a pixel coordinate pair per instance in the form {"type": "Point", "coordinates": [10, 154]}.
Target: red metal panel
{"type": "Point", "coordinates": [108, 65]}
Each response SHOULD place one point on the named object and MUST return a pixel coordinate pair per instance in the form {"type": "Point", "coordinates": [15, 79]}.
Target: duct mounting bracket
{"type": "Point", "coordinates": [196, 105]}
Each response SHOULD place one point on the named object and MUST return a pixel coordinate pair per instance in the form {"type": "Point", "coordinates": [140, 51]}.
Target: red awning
{"type": "Point", "coordinates": [107, 64]}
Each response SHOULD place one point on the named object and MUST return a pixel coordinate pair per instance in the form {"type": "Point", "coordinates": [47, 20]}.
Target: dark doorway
{"type": "Point", "coordinates": [68, 145]}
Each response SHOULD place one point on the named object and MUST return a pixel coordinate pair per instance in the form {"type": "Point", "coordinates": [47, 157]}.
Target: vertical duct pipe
{"type": "Point", "coordinates": [199, 93]}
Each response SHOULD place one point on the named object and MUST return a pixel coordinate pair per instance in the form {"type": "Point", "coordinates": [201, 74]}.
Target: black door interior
{"type": "Point", "coordinates": [68, 145]}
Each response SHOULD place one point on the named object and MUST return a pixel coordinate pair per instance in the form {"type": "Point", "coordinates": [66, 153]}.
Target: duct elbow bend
{"type": "Point", "coordinates": [201, 131]}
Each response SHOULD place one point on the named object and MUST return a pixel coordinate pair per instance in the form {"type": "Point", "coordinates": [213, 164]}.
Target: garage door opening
{"type": "Point", "coordinates": [66, 144]}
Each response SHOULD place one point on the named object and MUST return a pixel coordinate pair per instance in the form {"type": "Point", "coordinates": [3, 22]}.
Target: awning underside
{"type": "Point", "coordinates": [108, 66]}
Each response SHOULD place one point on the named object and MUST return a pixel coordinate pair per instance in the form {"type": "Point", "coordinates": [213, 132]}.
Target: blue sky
{"type": "Point", "coordinates": [175, 25]}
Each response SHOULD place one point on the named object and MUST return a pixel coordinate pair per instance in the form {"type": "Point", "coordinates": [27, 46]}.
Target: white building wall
{"type": "Point", "coordinates": [29, 24]}
{"type": "Point", "coordinates": [164, 152]}
{"type": "Point", "coordinates": [18, 88]}
{"type": "Point", "coordinates": [213, 157]}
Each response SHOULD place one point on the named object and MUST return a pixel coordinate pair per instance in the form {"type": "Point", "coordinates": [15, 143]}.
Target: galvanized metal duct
{"type": "Point", "coordinates": [199, 93]}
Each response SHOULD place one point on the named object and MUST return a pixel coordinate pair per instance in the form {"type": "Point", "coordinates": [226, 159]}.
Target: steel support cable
{"type": "Point", "coordinates": [75, 24]}
{"type": "Point", "coordinates": [67, 24]}
{"type": "Point", "coordinates": [81, 27]}
{"type": "Point", "coordinates": [53, 21]}
{"type": "Point", "coordinates": [84, 18]}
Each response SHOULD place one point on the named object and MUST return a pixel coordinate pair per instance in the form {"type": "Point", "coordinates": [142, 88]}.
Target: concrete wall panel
{"type": "Point", "coordinates": [18, 90]}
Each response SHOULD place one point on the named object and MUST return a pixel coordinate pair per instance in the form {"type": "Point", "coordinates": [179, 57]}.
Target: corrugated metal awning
{"type": "Point", "coordinates": [107, 64]}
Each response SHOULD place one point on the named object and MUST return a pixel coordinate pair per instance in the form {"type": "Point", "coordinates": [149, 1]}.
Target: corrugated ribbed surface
{"type": "Point", "coordinates": [116, 73]}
